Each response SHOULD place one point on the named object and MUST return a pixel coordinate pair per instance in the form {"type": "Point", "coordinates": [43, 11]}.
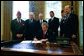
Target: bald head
{"type": "Point", "coordinates": [40, 16]}
{"type": "Point", "coordinates": [67, 6]}
{"type": "Point", "coordinates": [67, 9]}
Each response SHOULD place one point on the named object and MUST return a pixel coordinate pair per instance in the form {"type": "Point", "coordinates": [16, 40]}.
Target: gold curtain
{"type": "Point", "coordinates": [76, 11]}
{"type": "Point", "coordinates": [1, 20]}
{"type": "Point", "coordinates": [64, 3]}
{"type": "Point", "coordinates": [39, 8]}
{"type": "Point", "coordinates": [75, 6]}
{"type": "Point", "coordinates": [6, 17]}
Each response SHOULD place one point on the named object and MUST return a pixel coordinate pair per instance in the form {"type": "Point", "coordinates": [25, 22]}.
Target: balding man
{"type": "Point", "coordinates": [30, 27]}
{"type": "Point", "coordinates": [71, 24]}
{"type": "Point", "coordinates": [17, 27]}
{"type": "Point", "coordinates": [40, 21]}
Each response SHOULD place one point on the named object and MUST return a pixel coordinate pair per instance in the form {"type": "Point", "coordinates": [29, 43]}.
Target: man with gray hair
{"type": "Point", "coordinates": [41, 18]}
{"type": "Point", "coordinates": [40, 21]}
{"type": "Point", "coordinates": [30, 27]}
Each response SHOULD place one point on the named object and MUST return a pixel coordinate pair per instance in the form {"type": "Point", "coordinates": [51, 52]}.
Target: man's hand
{"type": "Point", "coordinates": [73, 36]}
{"type": "Point", "coordinates": [35, 39]}
{"type": "Point", "coordinates": [44, 39]}
{"type": "Point", "coordinates": [19, 35]}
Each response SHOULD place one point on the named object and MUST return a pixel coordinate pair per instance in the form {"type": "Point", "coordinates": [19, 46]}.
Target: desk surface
{"type": "Point", "coordinates": [38, 47]}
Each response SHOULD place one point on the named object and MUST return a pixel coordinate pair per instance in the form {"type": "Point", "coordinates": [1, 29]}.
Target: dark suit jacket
{"type": "Point", "coordinates": [49, 35]}
{"type": "Point", "coordinates": [62, 27]}
{"type": "Point", "coordinates": [71, 25]}
{"type": "Point", "coordinates": [53, 25]}
{"type": "Point", "coordinates": [30, 29]}
{"type": "Point", "coordinates": [17, 28]}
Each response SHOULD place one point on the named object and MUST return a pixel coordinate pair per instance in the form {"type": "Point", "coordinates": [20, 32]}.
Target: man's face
{"type": "Point", "coordinates": [19, 16]}
{"type": "Point", "coordinates": [51, 14]}
{"type": "Point", "coordinates": [31, 16]}
{"type": "Point", "coordinates": [44, 28]}
{"type": "Point", "coordinates": [62, 14]}
{"type": "Point", "coordinates": [40, 17]}
{"type": "Point", "coordinates": [67, 10]}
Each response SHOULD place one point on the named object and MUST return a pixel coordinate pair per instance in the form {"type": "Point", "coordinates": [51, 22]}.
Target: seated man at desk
{"type": "Point", "coordinates": [45, 33]}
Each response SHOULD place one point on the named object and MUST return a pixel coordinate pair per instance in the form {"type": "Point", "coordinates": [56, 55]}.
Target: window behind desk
{"type": "Point", "coordinates": [22, 6]}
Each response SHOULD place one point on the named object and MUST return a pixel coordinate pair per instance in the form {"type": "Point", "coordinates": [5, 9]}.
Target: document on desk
{"type": "Point", "coordinates": [32, 41]}
{"type": "Point", "coordinates": [26, 41]}
{"type": "Point", "coordinates": [37, 41]}
{"type": "Point", "coordinates": [44, 39]}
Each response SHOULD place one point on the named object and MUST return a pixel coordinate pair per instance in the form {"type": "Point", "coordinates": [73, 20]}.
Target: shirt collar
{"type": "Point", "coordinates": [31, 20]}
{"type": "Point", "coordinates": [45, 32]}
{"type": "Point", "coordinates": [18, 20]}
{"type": "Point", "coordinates": [68, 14]}
{"type": "Point", "coordinates": [41, 20]}
{"type": "Point", "coordinates": [52, 17]}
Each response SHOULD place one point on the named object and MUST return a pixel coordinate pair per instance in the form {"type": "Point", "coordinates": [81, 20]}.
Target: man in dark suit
{"type": "Point", "coordinates": [45, 33]}
{"type": "Point", "coordinates": [40, 21]}
{"type": "Point", "coordinates": [17, 27]}
{"type": "Point", "coordinates": [62, 26]}
{"type": "Point", "coordinates": [71, 24]}
{"type": "Point", "coordinates": [53, 24]}
{"type": "Point", "coordinates": [30, 27]}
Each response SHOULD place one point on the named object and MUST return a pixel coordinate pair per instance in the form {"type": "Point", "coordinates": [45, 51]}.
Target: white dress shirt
{"type": "Point", "coordinates": [19, 20]}
{"type": "Point", "coordinates": [52, 18]}
{"type": "Point", "coordinates": [41, 21]}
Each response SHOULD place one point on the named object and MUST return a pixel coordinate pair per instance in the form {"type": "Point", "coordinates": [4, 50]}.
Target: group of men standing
{"type": "Point", "coordinates": [41, 29]}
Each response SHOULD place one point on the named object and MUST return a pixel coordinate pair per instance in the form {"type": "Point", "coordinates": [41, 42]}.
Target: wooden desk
{"type": "Point", "coordinates": [38, 48]}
